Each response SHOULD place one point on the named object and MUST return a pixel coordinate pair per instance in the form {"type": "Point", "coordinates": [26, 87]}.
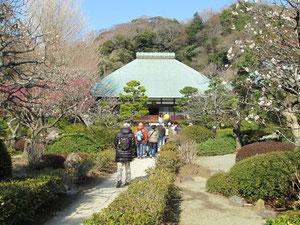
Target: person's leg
{"type": "Point", "coordinates": [137, 150]}
{"type": "Point", "coordinates": [154, 149]}
{"type": "Point", "coordinates": [150, 148]}
{"type": "Point", "coordinates": [128, 173]}
{"type": "Point", "coordinates": [141, 149]}
{"type": "Point", "coordinates": [119, 174]}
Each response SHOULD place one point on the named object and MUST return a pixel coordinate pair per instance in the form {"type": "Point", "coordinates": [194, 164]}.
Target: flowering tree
{"type": "Point", "coordinates": [271, 45]}
{"type": "Point", "coordinates": [44, 76]}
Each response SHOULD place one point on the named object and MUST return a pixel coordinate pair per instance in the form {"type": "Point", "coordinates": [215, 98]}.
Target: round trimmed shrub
{"type": "Point", "coordinates": [262, 148]}
{"type": "Point", "coordinates": [73, 143]}
{"type": "Point", "coordinates": [5, 162]}
{"type": "Point", "coordinates": [220, 145]}
{"type": "Point", "coordinates": [267, 177]}
{"type": "Point", "coordinates": [197, 133]}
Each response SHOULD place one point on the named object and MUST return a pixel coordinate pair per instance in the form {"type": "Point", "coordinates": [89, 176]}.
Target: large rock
{"type": "Point", "coordinates": [72, 159]}
{"type": "Point", "coordinates": [236, 200]}
{"type": "Point", "coordinates": [259, 205]}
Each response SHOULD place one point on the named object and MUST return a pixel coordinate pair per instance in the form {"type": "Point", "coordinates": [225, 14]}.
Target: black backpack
{"type": "Point", "coordinates": [124, 142]}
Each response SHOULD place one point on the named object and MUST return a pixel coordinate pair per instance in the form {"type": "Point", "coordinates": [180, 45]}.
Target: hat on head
{"type": "Point", "coordinates": [126, 125]}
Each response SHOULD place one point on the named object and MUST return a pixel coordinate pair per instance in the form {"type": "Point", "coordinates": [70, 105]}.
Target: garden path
{"type": "Point", "coordinates": [99, 197]}
{"type": "Point", "coordinates": [201, 208]}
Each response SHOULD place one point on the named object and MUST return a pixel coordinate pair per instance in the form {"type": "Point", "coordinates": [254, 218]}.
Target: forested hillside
{"type": "Point", "coordinates": [201, 43]}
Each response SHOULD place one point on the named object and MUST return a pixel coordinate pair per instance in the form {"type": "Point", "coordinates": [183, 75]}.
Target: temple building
{"type": "Point", "coordinates": [163, 77]}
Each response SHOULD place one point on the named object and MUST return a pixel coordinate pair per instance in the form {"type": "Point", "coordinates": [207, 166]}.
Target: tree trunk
{"type": "Point", "coordinates": [237, 134]}
{"type": "Point", "coordinates": [293, 124]}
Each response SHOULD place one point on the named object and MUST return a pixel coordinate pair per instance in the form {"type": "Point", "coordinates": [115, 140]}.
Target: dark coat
{"type": "Point", "coordinates": [124, 155]}
{"type": "Point", "coordinates": [161, 131]}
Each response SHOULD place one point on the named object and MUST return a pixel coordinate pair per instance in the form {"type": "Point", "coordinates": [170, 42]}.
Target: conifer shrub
{"type": "Point", "coordinates": [5, 161]}
{"type": "Point", "coordinates": [73, 143]}
{"type": "Point", "coordinates": [197, 133]}
{"type": "Point", "coordinates": [220, 145]}
{"type": "Point", "coordinates": [262, 148]}
{"type": "Point", "coordinates": [103, 135]}
{"type": "Point", "coordinates": [267, 177]}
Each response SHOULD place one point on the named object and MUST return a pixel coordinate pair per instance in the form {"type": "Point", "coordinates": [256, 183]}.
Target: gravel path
{"type": "Point", "coordinates": [99, 197]}
{"type": "Point", "coordinates": [201, 208]}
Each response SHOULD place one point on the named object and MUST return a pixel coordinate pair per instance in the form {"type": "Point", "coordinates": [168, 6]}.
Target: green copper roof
{"type": "Point", "coordinates": [160, 73]}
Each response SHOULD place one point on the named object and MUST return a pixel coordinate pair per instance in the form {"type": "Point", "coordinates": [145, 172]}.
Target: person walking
{"type": "Point", "coordinates": [160, 118]}
{"type": "Point", "coordinates": [161, 135]}
{"type": "Point", "coordinates": [124, 143]}
{"type": "Point", "coordinates": [141, 139]}
{"type": "Point", "coordinates": [153, 140]}
{"type": "Point", "coordinates": [146, 146]}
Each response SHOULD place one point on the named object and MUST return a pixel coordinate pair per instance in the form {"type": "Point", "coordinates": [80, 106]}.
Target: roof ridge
{"type": "Point", "coordinates": [155, 55]}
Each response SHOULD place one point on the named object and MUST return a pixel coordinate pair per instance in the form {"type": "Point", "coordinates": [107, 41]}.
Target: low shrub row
{"type": "Point", "coordinates": [146, 200]}
{"type": "Point", "coordinates": [268, 177]}
{"type": "Point", "coordinates": [20, 198]}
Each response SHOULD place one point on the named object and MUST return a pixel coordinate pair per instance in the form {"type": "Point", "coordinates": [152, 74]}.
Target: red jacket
{"type": "Point", "coordinates": [141, 127]}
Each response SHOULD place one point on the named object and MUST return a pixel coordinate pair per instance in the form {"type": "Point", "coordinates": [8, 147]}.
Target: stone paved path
{"type": "Point", "coordinates": [99, 197]}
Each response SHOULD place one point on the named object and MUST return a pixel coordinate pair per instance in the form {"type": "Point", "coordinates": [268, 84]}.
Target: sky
{"type": "Point", "coordinates": [104, 14]}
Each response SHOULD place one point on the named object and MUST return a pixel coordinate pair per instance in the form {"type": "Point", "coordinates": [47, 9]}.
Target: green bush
{"type": "Point", "coordinates": [5, 161]}
{"type": "Point", "coordinates": [220, 145]}
{"type": "Point", "coordinates": [145, 201]}
{"type": "Point", "coordinates": [197, 133]}
{"type": "Point", "coordinates": [104, 136]}
{"type": "Point", "coordinates": [227, 131]}
{"type": "Point", "coordinates": [103, 160]}
{"type": "Point", "coordinates": [262, 148]}
{"type": "Point", "coordinates": [267, 177]}
{"type": "Point", "coordinates": [218, 183]}
{"type": "Point", "coordinates": [20, 198]}
{"type": "Point", "coordinates": [171, 145]}
{"type": "Point", "coordinates": [73, 143]}
{"type": "Point", "coordinates": [289, 219]}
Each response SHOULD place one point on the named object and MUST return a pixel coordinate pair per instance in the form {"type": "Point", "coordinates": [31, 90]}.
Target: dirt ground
{"type": "Point", "coordinates": [197, 207]}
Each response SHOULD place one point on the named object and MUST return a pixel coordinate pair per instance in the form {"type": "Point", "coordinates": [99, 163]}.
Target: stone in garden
{"type": "Point", "coordinates": [266, 214]}
{"type": "Point", "coordinates": [52, 135]}
{"type": "Point", "coordinates": [259, 205]}
{"type": "Point", "coordinates": [72, 158]}
{"type": "Point", "coordinates": [236, 200]}
{"type": "Point", "coordinates": [188, 179]}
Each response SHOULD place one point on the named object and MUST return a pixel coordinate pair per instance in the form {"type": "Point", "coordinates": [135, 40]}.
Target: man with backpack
{"type": "Point", "coordinates": [161, 135]}
{"type": "Point", "coordinates": [141, 139]}
{"type": "Point", "coordinates": [124, 143]}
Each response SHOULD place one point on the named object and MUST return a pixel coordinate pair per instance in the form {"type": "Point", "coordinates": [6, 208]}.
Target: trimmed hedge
{"type": "Point", "coordinates": [262, 148]}
{"type": "Point", "coordinates": [197, 133]}
{"type": "Point", "coordinates": [5, 162]}
{"type": "Point", "coordinates": [220, 145]}
{"type": "Point", "coordinates": [20, 198]}
{"type": "Point", "coordinates": [267, 177]}
{"type": "Point", "coordinates": [73, 143]}
{"type": "Point", "coordinates": [146, 200]}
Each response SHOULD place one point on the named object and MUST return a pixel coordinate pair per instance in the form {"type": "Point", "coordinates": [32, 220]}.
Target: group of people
{"type": "Point", "coordinates": [147, 140]}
